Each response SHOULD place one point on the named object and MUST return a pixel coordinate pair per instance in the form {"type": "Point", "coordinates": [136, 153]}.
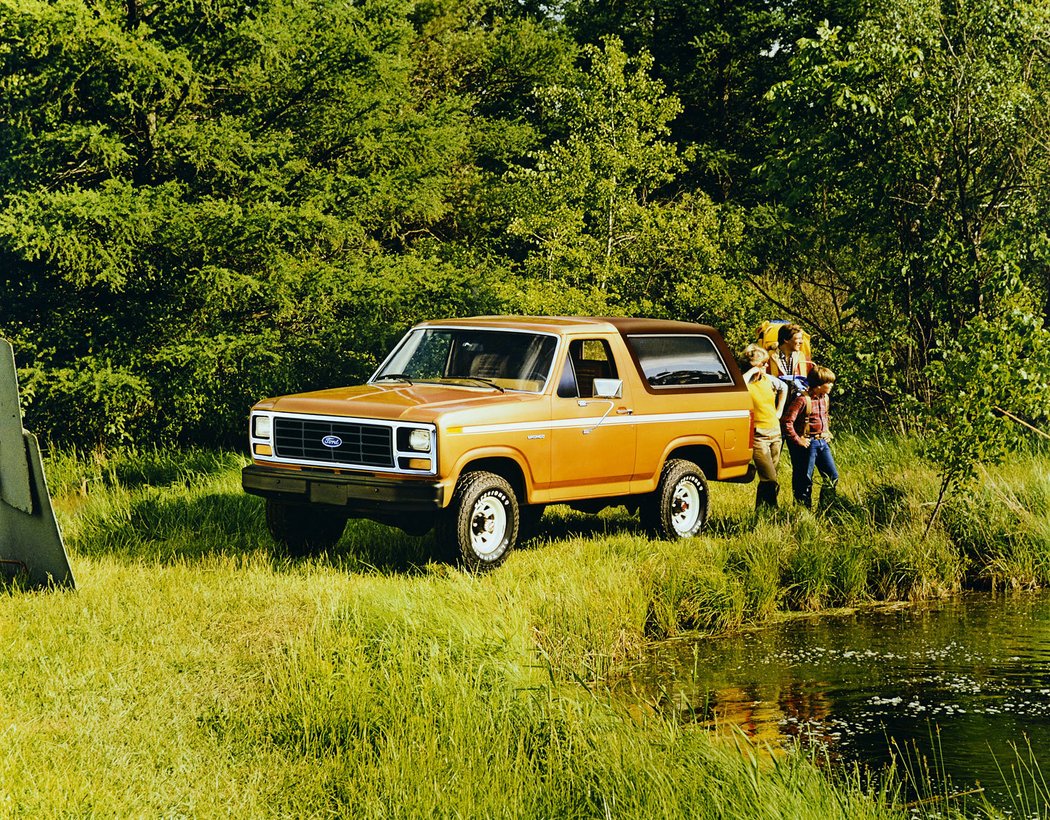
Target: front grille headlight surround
{"type": "Point", "coordinates": [413, 439]}
{"type": "Point", "coordinates": [368, 444]}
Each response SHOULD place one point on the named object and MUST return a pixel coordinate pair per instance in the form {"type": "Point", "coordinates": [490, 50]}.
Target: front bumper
{"type": "Point", "coordinates": [366, 495]}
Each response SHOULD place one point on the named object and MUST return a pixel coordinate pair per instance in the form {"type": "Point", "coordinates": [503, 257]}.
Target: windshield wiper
{"type": "Point", "coordinates": [394, 377]}
{"type": "Point", "coordinates": [486, 382]}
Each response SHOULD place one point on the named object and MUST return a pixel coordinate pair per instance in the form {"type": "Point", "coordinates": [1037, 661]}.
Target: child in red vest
{"type": "Point", "coordinates": [806, 428]}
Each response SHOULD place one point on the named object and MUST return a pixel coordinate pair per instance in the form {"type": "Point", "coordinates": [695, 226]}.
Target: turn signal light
{"type": "Point", "coordinates": [419, 464]}
{"type": "Point", "coordinates": [262, 449]}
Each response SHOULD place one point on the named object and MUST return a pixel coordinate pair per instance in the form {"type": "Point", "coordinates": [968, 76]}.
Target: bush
{"type": "Point", "coordinates": [96, 404]}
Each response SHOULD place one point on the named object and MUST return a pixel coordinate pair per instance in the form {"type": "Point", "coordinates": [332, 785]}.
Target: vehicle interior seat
{"type": "Point", "coordinates": [488, 366]}
{"type": "Point", "coordinates": [587, 370]}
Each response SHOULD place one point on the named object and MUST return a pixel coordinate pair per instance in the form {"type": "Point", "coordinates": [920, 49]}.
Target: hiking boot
{"type": "Point", "coordinates": [766, 495]}
{"type": "Point", "coordinates": [828, 494]}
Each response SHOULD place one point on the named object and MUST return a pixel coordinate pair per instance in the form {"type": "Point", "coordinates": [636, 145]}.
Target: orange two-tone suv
{"type": "Point", "coordinates": [472, 426]}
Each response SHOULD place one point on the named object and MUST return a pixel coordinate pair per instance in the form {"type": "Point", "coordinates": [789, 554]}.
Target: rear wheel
{"type": "Point", "coordinates": [304, 528]}
{"type": "Point", "coordinates": [481, 524]}
{"type": "Point", "coordinates": [679, 507]}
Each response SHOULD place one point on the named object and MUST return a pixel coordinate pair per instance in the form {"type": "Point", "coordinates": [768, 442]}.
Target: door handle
{"type": "Point", "coordinates": [624, 411]}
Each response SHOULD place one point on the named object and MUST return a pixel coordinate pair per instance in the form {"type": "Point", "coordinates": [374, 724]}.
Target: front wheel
{"type": "Point", "coordinates": [481, 524]}
{"type": "Point", "coordinates": [679, 507]}
{"type": "Point", "coordinates": [304, 528]}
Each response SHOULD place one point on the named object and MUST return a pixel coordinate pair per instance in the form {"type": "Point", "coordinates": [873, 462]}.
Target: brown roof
{"type": "Point", "coordinates": [582, 324]}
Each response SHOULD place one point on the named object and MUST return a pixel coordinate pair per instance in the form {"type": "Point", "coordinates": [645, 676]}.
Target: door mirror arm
{"type": "Point", "coordinates": [608, 410]}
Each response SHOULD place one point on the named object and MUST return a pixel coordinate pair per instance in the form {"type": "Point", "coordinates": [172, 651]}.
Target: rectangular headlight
{"type": "Point", "coordinates": [419, 440]}
{"type": "Point", "coordinates": [261, 426]}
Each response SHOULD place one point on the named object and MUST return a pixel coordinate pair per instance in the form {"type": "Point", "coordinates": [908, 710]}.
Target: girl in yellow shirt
{"type": "Point", "coordinates": [768, 395]}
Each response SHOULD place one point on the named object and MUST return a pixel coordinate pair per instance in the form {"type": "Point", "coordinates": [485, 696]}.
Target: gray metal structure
{"type": "Point", "coordinates": [31, 551]}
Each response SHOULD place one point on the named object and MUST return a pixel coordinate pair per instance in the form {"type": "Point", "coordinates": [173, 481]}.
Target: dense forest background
{"type": "Point", "coordinates": [203, 202]}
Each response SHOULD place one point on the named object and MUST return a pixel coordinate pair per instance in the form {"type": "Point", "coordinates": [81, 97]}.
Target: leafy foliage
{"type": "Point", "coordinates": [987, 381]}
{"type": "Point", "coordinates": [590, 201]}
{"type": "Point", "coordinates": [203, 203]}
{"type": "Point", "coordinates": [911, 152]}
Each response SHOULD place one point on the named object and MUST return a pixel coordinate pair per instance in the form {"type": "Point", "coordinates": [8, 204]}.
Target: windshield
{"type": "Point", "coordinates": [501, 359]}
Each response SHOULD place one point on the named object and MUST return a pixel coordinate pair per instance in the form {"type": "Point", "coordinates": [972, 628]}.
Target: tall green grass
{"type": "Point", "coordinates": [1004, 526]}
{"type": "Point", "coordinates": [239, 687]}
{"type": "Point", "coordinates": [197, 672]}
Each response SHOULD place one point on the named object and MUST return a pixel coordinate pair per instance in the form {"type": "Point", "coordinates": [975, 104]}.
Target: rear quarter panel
{"type": "Point", "coordinates": [666, 422]}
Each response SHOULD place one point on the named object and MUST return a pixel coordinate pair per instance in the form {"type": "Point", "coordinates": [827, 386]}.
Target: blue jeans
{"type": "Point", "coordinates": [803, 461]}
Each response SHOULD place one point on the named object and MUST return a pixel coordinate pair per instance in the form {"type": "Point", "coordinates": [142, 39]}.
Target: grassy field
{"type": "Point", "coordinates": [196, 673]}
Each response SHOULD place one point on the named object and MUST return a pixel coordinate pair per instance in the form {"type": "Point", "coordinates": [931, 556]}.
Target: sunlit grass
{"type": "Point", "coordinates": [1004, 528]}
{"type": "Point", "coordinates": [198, 672]}
{"type": "Point", "coordinates": [227, 686]}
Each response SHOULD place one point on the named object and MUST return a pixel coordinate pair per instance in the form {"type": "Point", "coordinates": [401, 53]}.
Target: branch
{"type": "Point", "coordinates": [1020, 421]}
{"type": "Point", "coordinates": [795, 314]}
{"type": "Point", "coordinates": [947, 480]}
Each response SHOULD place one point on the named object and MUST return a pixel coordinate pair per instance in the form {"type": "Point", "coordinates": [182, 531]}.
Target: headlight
{"type": "Point", "coordinates": [419, 440]}
{"type": "Point", "coordinates": [261, 426]}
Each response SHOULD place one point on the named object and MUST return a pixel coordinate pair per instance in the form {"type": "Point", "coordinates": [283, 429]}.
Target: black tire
{"type": "Point", "coordinates": [680, 505]}
{"type": "Point", "coordinates": [481, 524]}
{"type": "Point", "coordinates": [304, 528]}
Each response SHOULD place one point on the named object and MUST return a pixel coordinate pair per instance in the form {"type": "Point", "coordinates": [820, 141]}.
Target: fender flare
{"type": "Point", "coordinates": [523, 482]}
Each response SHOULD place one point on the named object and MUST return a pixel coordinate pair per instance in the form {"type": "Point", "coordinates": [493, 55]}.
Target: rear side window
{"type": "Point", "coordinates": [680, 361]}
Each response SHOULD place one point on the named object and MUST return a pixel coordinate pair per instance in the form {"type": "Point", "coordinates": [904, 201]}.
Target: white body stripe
{"type": "Point", "coordinates": [591, 421]}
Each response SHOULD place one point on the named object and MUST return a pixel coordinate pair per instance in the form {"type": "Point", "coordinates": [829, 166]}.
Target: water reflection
{"type": "Point", "coordinates": [961, 683]}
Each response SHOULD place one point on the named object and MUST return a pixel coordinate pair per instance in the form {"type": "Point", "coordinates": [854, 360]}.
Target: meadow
{"type": "Point", "coordinates": [197, 672]}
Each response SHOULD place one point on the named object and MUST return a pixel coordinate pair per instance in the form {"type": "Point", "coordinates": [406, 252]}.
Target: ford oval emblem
{"type": "Point", "coordinates": [332, 441]}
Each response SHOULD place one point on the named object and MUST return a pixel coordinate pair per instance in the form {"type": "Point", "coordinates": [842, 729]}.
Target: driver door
{"type": "Point", "coordinates": [593, 439]}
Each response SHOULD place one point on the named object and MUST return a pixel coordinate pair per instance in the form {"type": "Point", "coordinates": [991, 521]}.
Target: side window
{"type": "Point", "coordinates": [680, 361]}
{"type": "Point", "coordinates": [588, 359]}
{"type": "Point", "coordinates": [567, 386]}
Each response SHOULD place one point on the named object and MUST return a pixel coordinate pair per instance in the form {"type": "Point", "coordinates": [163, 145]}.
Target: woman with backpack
{"type": "Point", "coordinates": [806, 427]}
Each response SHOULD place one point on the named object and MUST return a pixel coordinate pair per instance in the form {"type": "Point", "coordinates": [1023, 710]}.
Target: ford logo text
{"type": "Point", "coordinates": [332, 441]}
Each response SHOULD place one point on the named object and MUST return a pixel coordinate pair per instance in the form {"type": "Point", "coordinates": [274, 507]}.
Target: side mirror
{"type": "Point", "coordinates": [608, 388]}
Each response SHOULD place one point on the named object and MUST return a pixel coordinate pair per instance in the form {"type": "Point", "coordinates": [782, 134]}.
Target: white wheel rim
{"type": "Point", "coordinates": [685, 507]}
{"type": "Point", "coordinates": [488, 526]}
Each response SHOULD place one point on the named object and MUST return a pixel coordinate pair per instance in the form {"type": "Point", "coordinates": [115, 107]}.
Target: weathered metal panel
{"type": "Point", "coordinates": [31, 545]}
{"type": "Point", "coordinates": [14, 469]}
{"type": "Point", "coordinates": [31, 550]}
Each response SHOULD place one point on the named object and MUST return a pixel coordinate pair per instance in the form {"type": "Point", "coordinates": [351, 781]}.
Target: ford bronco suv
{"type": "Point", "coordinates": [472, 426]}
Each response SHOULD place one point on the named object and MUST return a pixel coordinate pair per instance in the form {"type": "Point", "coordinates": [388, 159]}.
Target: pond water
{"type": "Point", "coordinates": [963, 684]}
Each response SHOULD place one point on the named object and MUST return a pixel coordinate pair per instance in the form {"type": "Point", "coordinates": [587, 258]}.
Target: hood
{"type": "Point", "coordinates": [404, 402]}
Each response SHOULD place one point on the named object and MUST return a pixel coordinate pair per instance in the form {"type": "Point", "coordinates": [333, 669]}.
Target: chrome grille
{"type": "Point", "coordinates": [367, 445]}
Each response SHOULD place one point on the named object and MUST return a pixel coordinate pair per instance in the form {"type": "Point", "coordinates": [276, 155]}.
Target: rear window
{"type": "Point", "coordinates": [680, 361]}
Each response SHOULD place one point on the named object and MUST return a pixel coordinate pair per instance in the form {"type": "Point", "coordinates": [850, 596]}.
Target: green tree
{"type": "Point", "coordinates": [908, 187]}
{"type": "Point", "coordinates": [195, 199]}
{"type": "Point", "coordinates": [975, 419]}
{"type": "Point", "coordinates": [719, 59]}
{"type": "Point", "coordinates": [597, 204]}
